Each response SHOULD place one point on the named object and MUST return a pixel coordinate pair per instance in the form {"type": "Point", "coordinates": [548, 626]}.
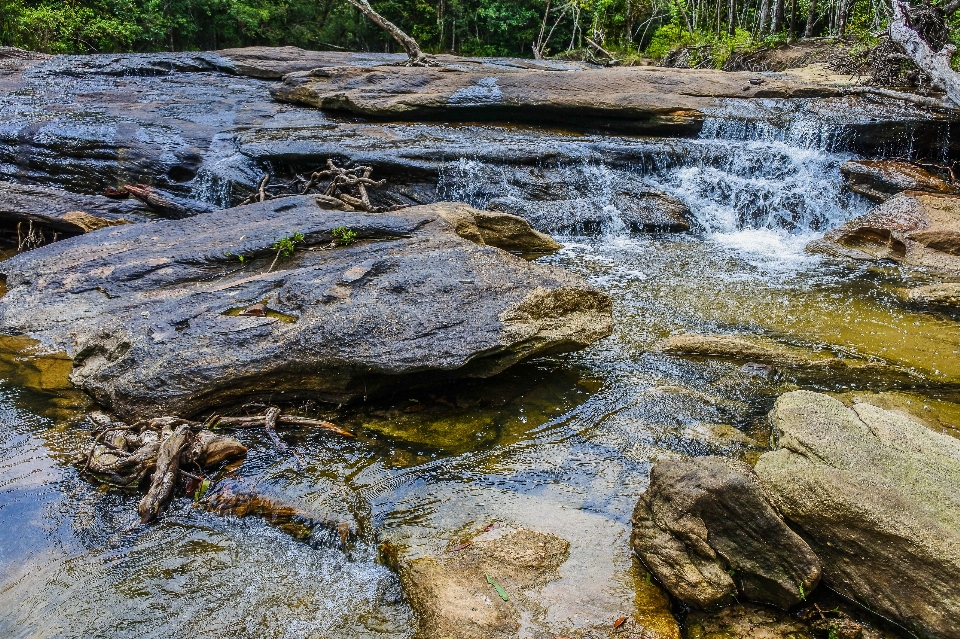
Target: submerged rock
{"type": "Point", "coordinates": [152, 314]}
{"type": "Point", "coordinates": [875, 495]}
{"type": "Point", "coordinates": [453, 597]}
{"type": "Point", "coordinates": [946, 295]}
{"type": "Point", "coordinates": [879, 180]}
{"type": "Point", "coordinates": [707, 530]}
{"type": "Point", "coordinates": [757, 351]}
{"type": "Point", "coordinates": [919, 229]}
{"type": "Point", "coordinates": [745, 622]}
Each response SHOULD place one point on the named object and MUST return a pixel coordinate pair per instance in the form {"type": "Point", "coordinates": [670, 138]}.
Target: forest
{"type": "Point", "coordinates": [527, 28]}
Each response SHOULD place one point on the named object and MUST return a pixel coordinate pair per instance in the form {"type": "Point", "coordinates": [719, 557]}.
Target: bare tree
{"type": "Point", "coordinates": [934, 64]}
{"type": "Point", "coordinates": [417, 58]}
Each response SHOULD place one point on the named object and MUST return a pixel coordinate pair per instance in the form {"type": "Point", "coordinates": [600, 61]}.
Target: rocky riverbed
{"type": "Point", "coordinates": [593, 383]}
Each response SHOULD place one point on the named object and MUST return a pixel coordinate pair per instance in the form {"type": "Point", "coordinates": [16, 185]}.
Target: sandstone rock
{"type": "Point", "coordinates": [874, 494]}
{"type": "Point", "coordinates": [745, 622]}
{"type": "Point", "coordinates": [937, 295]}
{"type": "Point", "coordinates": [150, 313]}
{"type": "Point", "coordinates": [637, 99]}
{"type": "Point", "coordinates": [494, 228]}
{"type": "Point", "coordinates": [880, 180]}
{"type": "Point", "coordinates": [920, 229]}
{"type": "Point", "coordinates": [453, 599]}
{"type": "Point", "coordinates": [707, 530]}
{"type": "Point", "coordinates": [63, 212]}
{"type": "Point", "coordinates": [753, 349]}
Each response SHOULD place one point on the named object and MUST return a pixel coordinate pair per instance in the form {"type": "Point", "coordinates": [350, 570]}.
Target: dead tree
{"type": "Point", "coordinates": [935, 64]}
{"type": "Point", "coordinates": [416, 57]}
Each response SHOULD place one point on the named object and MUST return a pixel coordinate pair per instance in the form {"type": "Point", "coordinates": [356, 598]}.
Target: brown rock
{"type": "Point", "coordinates": [920, 229]}
{"type": "Point", "coordinates": [706, 528]}
{"type": "Point", "coordinates": [745, 622]}
{"type": "Point", "coordinates": [753, 349]}
{"type": "Point", "coordinates": [880, 180]}
{"type": "Point", "coordinates": [493, 228]}
{"type": "Point", "coordinates": [639, 99]}
{"type": "Point", "coordinates": [943, 295]}
{"type": "Point", "coordinates": [874, 493]}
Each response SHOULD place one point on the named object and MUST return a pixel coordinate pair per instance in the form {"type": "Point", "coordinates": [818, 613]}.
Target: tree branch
{"type": "Point", "coordinates": [935, 65]}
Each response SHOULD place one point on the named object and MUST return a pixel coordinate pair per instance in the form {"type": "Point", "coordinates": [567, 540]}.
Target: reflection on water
{"type": "Point", "coordinates": [563, 445]}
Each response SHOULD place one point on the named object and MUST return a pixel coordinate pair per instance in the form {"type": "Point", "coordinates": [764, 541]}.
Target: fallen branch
{"type": "Point", "coordinates": [293, 420]}
{"type": "Point", "coordinates": [342, 182]}
{"type": "Point", "coordinates": [260, 195]}
{"type": "Point", "coordinates": [920, 100]}
{"type": "Point", "coordinates": [600, 49]}
{"type": "Point", "coordinates": [935, 65]}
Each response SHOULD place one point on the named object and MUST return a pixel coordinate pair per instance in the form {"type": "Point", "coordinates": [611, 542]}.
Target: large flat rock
{"type": "Point", "coordinates": [875, 495]}
{"type": "Point", "coordinates": [64, 212]}
{"type": "Point", "coordinates": [148, 311]}
{"type": "Point", "coordinates": [640, 99]}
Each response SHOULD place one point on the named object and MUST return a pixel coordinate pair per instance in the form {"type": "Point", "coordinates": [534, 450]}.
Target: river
{"type": "Point", "coordinates": [562, 444]}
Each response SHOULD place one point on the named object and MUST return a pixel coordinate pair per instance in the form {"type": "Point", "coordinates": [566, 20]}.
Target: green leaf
{"type": "Point", "coordinates": [201, 490]}
{"type": "Point", "coordinates": [500, 591]}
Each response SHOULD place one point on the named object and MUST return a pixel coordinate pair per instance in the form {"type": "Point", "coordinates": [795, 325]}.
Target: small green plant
{"type": "Point", "coordinates": [344, 236]}
{"type": "Point", "coordinates": [803, 596]}
{"type": "Point", "coordinates": [285, 247]}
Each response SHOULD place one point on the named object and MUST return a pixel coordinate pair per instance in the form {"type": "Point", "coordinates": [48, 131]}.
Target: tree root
{"type": "Point", "coordinates": [346, 189]}
{"type": "Point", "coordinates": [163, 448]}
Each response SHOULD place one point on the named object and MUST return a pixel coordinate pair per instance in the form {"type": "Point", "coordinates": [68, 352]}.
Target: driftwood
{"type": "Point", "coordinates": [154, 200]}
{"type": "Point", "coordinates": [168, 448]}
{"type": "Point", "coordinates": [260, 195]}
{"type": "Point", "coordinates": [935, 64]}
{"type": "Point", "coordinates": [347, 187]}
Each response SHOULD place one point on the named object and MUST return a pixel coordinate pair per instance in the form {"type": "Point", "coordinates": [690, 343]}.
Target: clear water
{"type": "Point", "coordinates": [562, 445]}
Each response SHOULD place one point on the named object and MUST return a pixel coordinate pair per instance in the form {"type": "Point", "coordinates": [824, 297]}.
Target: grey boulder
{"type": "Point", "coordinates": [165, 318]}
{"type": "Point", "coordinates": [875, 495]}
{"type": "Point", "coordinates": [707, 529]}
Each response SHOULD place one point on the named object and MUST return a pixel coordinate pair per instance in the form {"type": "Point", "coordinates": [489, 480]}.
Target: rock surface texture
{"type": "Point", "coordinates": [875, 495]}
{"type": "Point", "coordinates": [880, 180]}
{"type": "Point", "coordinates": [946, 295]}
{"type": "Point", "coordinates": [919, 229]}
{"type": "Point", "coordinates": [151, 313]}
{"type": "Point", "coordinates": [707, 530]}
{"type": "Point", "coordinates": [65, 212]}
{"type": "Point", "coordinates": [453, 598]}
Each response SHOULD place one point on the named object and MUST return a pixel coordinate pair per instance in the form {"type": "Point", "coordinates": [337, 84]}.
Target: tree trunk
{"type": "Point", "coordinates": [731, 16]}
{"type": "Point", "coordinates": [935, 65]}
{"type": "Point", "coordinates": [811, 19]}
{"type": "Point", "coordinates": [793, 20]}
{"type": "Point", "coordinates": [417, 57]}
{"type": "Point", "coordinates": [777, 25]}
{"type": "Point", "coordinates": [764, 17]}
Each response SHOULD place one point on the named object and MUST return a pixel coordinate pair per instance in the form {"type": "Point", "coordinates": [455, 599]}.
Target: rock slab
{"type": "Point", "coordinates": [152, 314]}
{"type": "Point", "coordinates": [919, 229]}
{"type": "Point", "coordinates": [875, 495]}
{"type": "Point", "coordinates": [879, 180]}
{"type": "Point", "coordinates": [706, 528]}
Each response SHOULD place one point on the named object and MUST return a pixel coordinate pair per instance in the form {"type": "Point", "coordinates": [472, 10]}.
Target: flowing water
{"type": "Point", "coordinates": [562, 444]}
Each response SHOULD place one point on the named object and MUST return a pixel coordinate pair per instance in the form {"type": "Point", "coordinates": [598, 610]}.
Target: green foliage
{"type": "Point", "coordinates": [286, 246]}
{"type": "Point", "coordinates": [344, 236]}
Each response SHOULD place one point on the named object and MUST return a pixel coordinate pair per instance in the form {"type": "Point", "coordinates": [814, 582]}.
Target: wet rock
{"type": "Point", "coordinates": [275, 62]}
{"type": "Point", "coordinates": [745, 622]}
{"type": "Point", "coordinates": [150, 312]}
{"type": "Point", "coordinates": [634, 99]}
{"type": "Point", "coordinates": [707, 530]}
{"type": "Point", "coordinates": [919, 229]}
{"type": "Point", "coordinates": [879, 180]}
{"type": "Point", "coordinates": [757, 351]}
{"type": "Point", "coordinates": [452, 597]}
{"type": "Point", "coordinates": [874, 494]}
{"type": "Point", "coordinates": [494, 228]}
{"type": "Point", "coordinates": [67, 213]}
{"type": "Point", "coordinates": [945, 295]}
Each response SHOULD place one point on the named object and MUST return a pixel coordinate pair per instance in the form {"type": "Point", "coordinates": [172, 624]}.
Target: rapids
{"type": "Point", "coordinates": [562, 444]}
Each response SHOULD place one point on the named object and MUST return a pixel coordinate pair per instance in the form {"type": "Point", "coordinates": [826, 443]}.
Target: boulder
{"type": "Point", "coordinates": [154, 314]}
{"type": "Point", "coordinates": [706, 528]}
{"type": "Point", "coordinates": [452, 596]}
{"type": "Point", "coordinates": [879, 180]}
{"type": "Point", "coordinates": [651, 100]}
{"type": "Point", "coordinates": [874, 493]}
{"type": "Point", "coordinates": [63, 212]}
{"type": "Point", "coordinates": [918, 229]}
{"type": "Point", "coordinates": [495, 228]}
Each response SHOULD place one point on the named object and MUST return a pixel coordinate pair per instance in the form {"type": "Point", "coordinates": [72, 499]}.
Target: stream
{"type": "Point", "coordinates": [561, 444]}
